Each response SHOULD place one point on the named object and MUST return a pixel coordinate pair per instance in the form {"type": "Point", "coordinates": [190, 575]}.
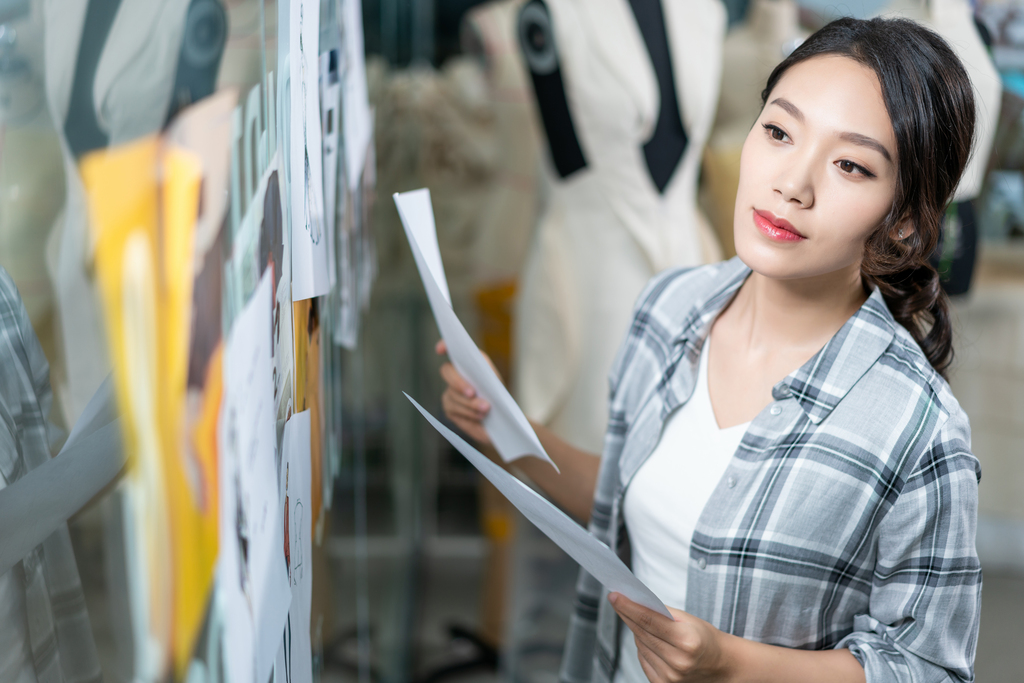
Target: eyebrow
{"type": "Point", "coordinates": [855, 138]}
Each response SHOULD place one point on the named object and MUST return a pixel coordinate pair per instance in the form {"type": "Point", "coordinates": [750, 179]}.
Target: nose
{"type": "Point", "coordinates": [795, 180]}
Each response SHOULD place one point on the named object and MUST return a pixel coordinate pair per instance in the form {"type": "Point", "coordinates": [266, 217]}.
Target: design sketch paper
{"type": "Point", "coordinates": [310, 276]}
{"type": "Point", "coordinates": [357, 126]}
{"type": "Point", "coordinates": [346, 328]}
{"type": "Point", "coordinates": [295, 660]}
{"type": "Point", "coordinates": [508, 428]}
{"type": "Point", "coordinates": [593, 555]}
{"type": "Point", "coordinates": [251, 575]}
{"type": "Point", "coordinates": [330, 102]}
{"type": "Point", "coordinates": [260, 246]}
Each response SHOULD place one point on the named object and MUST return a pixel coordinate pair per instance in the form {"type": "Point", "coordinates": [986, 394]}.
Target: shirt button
{"type": "Point", "coordinates": [702, 563]}
{"type": "Point", "coordinates": [731, 481]}
{"type": "Point", "coordinates": [776, 409]}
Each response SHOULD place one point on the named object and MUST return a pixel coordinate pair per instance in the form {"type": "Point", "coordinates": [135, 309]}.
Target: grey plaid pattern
{"type": "Point", "coordinates": [58, 630]}
{"type": "Point", "coordinates": [846, 517]}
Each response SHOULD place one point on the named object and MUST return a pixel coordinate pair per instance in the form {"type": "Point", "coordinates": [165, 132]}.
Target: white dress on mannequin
{"type": "Point", "coordinates": [606, 230]}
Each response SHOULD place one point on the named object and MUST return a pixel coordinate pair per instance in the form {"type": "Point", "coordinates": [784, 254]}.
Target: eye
{"type": "Point", "coordinates": [774, 132]}
{"type": "Point", "coordinates": [848, 167]}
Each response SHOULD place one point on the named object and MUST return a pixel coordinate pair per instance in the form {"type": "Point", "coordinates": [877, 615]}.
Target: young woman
{"type": "Point", "coordinates": [784, 462]}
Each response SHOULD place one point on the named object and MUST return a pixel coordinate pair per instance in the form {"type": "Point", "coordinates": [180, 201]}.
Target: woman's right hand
{"type": "Point", "coordinates": [461, 403]}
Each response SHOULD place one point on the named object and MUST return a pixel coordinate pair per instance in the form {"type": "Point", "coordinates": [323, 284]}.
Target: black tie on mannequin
{"type": "Point", "coordinates": [665, 149]}
{"type": "Point", "coordinates": [537, 42]}
{"type": "Point", "coordinates": [203, 40]}
{"type": "Point", "coordinates": [81, 127]}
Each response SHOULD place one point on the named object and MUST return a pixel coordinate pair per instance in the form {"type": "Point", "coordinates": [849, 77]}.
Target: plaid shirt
{"type": "Point", "coordinates": [846, 517]}
{"type": "Point", "coordinates": [58, 634]}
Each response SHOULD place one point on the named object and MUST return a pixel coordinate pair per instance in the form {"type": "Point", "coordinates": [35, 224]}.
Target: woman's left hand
{"type": "Point", "coordinates": [683, 649]}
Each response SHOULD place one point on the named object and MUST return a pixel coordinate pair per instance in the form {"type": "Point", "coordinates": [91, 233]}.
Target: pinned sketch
{"type": "Point", "coordinates": [367, 244]}
{"type": "Point", "coordinates": [508, 428]}
{"type": "Point", "coordinates": [330, 104]}
{"type": "Point", "coordinates": [593, 555]}
{"type": "Point", "coordinates": [251, 576]}
{"type": "Point", "coordinates": [310, 271]}
{"type": "Point", "coordinates": [294, 658]}
{"type": "Point", "coordinates": [274, 256]}
{"type": "Point", "coordinates": [346, 324]}
{"type": "Point", "coordinates": [356, 113]}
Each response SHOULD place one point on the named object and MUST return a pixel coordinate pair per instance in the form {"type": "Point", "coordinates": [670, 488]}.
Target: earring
{"type": "Point", "coordinates": [899, 235]}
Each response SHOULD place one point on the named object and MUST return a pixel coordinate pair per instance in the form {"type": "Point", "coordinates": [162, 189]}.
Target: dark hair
{"type": "Point", "coordinates": [930, 102]}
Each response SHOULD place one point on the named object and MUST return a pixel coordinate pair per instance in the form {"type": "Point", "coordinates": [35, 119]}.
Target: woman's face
{"type": "Point", "coordinates": [817, 172]}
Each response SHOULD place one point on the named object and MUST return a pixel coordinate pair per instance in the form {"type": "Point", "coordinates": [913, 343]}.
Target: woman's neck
{"type": "Point", "coordinates": [796, 314]}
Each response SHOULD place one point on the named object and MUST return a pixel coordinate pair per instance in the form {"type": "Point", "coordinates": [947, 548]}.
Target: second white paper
{"type": "Point", "coordinates": [593, 555]}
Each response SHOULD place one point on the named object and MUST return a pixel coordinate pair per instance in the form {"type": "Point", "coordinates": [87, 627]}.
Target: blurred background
{"type": "Point", "coordinates": [528, 123]}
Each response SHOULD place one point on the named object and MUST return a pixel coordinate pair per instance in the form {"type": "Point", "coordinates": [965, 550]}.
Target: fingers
{"type": "Point", "coordinates": [460, 400]}
{"type": "Point", "coordinates": [647, 620]}
{"type": "Point", "coordinates": [440, 348]}
{"type": "Point", "coordinates": [457, 383]}
{"type": "Point", "coordinates": [654, 667]}
{"type": "Point", "coordinates": [653, 633]}
{"type": "Point", "coordinates": [459, 407]}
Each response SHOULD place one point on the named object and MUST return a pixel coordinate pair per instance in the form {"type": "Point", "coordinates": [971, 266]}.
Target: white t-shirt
{"type": "Point", "coordinates": [665, 498]}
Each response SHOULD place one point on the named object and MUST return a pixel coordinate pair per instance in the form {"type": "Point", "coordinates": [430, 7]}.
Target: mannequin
{"type": "Point", "coordinates": [138, 65]}
{"type": "Point", "coordinates": [626, 93]}
{"type": "Point", "coordinates": [115, 71]}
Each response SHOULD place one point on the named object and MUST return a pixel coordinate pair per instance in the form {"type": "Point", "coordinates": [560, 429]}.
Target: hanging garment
{"type": "Point", "coordinates": [616, 212]}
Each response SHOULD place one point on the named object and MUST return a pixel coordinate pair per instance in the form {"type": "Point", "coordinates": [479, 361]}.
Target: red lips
{"type": "Point", "coordinates": [775, 228]}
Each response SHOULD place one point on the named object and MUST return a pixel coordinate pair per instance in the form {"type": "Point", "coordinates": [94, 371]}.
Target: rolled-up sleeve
{"type": "Point", "coordinates": [925, 604]}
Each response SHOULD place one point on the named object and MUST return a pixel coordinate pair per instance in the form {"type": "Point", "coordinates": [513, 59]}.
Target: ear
{"type": "Point", "coordinates": [902, 230]}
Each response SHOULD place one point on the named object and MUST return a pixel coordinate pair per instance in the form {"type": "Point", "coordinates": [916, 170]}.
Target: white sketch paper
{"type": "Point", "coordinates": [593, 555]}
{"type": "Point", "coordinates": [295, 659]}
{"type": "Point", "coordinates": [508, 428]}
{"type": "Point", "coordinates": [250, 574]}
{"type": "Point", "coordinates": [310, 268]}
{"type": "Point", "coordinates": [357, 116]}
{"type": "Point", "coordinates": [330, 104]}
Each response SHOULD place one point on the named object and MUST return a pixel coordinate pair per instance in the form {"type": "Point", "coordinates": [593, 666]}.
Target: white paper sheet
{"type": "Point", "coordinates": [594, 556]}
{"type": "Point", "coordinates": [251, 573]}
{"type": "Point", "coordinates": [417, 215]}
{"type": "Point", "coordinates": [508, 428]}
{"type": "Point", "coordinates": [357, 126]}
{"type": "Point", "coordinates": [295, 658]}
{"type": "Point", "coordinates": [330, 104]}
{"type": "Point", "coordinates": [310, 268]}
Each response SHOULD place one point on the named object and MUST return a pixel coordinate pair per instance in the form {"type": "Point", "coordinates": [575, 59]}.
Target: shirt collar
{"type": "Point", "coordinates": [824, 380]}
